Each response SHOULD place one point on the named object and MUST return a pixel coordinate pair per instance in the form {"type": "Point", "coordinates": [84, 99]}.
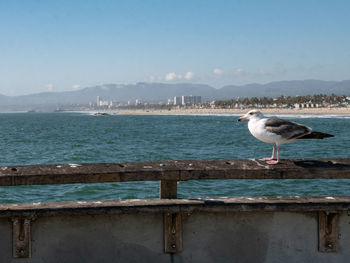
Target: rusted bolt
{"type": "Point", "coordinates": [173, 246]}
{"type": "Point", "coordinates": [20, 251]}
{"type": "Point", "coordinates": [191, 164]}
{"type": "Point", "coordinates": [14, 169]}
{"type": "Point", "coordinates": [162, 164]}
{"type": "Point", "coordinates": [330, 245]}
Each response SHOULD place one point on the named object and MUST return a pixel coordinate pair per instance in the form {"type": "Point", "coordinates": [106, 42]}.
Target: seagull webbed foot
{"type": "Point", "coordinates": [266, 159]}
{"type": "Point", "coordinates": [272, 162]}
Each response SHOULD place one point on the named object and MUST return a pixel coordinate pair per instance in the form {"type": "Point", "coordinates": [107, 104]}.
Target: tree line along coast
{"type": "Point", "coordinates": [310, 101]}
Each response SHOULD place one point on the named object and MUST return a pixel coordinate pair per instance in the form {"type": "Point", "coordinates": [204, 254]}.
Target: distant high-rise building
{"type": "Point", "coordinates": [101, 102]}
{"type": "Point", "coordinates": [177, 101]}
{"type": "Point", "coordinates": [197, 99]}
{"type": "Point", "coordinates": [189, 100]}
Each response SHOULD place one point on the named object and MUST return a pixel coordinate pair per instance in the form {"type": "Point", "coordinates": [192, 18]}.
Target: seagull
{"type": "Point", "coordinates": [278, 131]}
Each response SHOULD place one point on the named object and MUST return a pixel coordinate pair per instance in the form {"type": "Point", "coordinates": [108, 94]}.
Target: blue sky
{"type": "Point", "coordinates": [67, 45]}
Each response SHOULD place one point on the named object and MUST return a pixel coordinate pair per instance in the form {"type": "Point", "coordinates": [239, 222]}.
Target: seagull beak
{"type": "Point", "coordinates": [242, 118]}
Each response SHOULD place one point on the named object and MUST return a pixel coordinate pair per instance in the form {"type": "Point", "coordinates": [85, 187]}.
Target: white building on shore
{"type": "Point", "coordinates": [100, 102]}
{"type": "Point", "coordinates": [187, 100]}
{"type": "Point", "coordinates": [190, 100]}
{"type": "Point", "coordinates": [177, 100]}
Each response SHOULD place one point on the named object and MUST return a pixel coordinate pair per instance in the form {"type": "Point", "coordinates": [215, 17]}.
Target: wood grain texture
{"type": "Point", "coordinates": [174, 171]}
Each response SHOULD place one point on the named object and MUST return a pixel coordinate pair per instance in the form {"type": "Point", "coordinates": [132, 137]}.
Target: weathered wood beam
{"type": "Point", "coordinates": [328, 231]}
{"type": "Point", "coordinates": [172, 222]}
{"type": "Point", "coordinates": [232, 204]}
{"type": "Point", "coordinates": [173, 171]}
{"type": "Point", "coordinates": [168, 189]}
{"type": "Point", "coordinates": [21, 237]}
{"type": "Point", "coordinates": [172, 232]}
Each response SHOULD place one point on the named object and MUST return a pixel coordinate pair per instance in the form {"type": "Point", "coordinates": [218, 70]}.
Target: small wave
{"type": "Point", "coordinates": [279, 115]}
{"type": "Point", "coordinates": [309, 116]}
{"type": "Point", "coordinates": [197, 114]}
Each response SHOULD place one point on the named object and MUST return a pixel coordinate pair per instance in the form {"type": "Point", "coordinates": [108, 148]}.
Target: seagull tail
{"type": "Point", "coordinates": [316, 135]}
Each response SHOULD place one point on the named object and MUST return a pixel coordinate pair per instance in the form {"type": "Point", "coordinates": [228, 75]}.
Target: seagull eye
{"type": "Point", "coordinates": [251, 113]}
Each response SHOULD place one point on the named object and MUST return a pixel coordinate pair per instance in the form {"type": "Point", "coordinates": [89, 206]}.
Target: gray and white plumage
{"type": "Point", "coordinates": [278, 131]}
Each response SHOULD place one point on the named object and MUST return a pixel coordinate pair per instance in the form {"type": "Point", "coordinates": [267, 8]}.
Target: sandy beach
{"type": "Point", "coordinates": [339, 110]}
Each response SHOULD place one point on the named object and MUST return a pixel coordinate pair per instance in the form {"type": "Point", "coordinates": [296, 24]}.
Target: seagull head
{"type": "Point", "coordinates": [253, 114]}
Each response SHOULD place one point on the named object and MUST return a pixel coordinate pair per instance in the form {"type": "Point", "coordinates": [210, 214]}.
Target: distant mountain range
{"type": "Point", "coordinates": [156, 92]}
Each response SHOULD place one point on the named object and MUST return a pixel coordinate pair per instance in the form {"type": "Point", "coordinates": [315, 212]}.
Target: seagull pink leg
{"type": "Point", "coordinates": [273, 154]}
{"type": "Point", "coordinates": [278, 157]}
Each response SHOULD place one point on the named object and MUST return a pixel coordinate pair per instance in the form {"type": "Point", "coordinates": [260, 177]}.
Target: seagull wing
{"type": "Point", "coordinates": [287, 129]}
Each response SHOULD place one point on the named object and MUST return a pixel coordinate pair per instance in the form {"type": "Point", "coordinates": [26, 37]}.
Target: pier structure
{"type": "Point", "coordinates": [168, 229]}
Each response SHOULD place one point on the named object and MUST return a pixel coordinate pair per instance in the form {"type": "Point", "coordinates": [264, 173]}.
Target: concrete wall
{"type": "Point", "coordinates": [207, 237]}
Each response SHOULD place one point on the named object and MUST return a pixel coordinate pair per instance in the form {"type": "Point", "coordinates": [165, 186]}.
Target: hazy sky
{"type": "Point", "coordinates": [66, 45]}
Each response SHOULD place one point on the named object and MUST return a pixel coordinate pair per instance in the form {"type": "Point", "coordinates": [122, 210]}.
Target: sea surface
{"type": "Point", "coordinates": [56, 138]}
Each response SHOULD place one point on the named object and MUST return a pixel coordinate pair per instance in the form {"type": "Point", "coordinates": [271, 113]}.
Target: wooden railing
{"type": "Point", "coordinates": [174, 171]}
{"type": "Point", "coordinates": [169, 173]}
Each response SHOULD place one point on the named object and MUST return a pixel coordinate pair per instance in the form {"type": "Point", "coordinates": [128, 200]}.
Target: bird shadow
{"type": "Point", "coordinates": [321, 164]}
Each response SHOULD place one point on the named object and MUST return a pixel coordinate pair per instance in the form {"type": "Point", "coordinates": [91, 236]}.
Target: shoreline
{"type": "Point", "coordinates": [230, 111]}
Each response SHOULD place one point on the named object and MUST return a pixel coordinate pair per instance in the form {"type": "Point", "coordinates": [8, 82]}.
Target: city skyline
{"type": "Point", "coordinates": [50, 46]}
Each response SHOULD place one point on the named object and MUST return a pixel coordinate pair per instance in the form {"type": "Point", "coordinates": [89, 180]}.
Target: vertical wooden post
{"type": "Point", "coordinates": [21, 237]}
{"type": "Point", "coordinates": [172, 221]}
{"type": "Point", "coordinates": [168, 189]}
{"type": "Point", "coordinates": [327, 231]}
{"type": "Point", "coordinates": [172, 232]}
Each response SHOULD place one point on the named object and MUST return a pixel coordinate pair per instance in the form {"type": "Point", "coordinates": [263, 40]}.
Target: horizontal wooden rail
{"type": "Point", "coordinates": [174, 171]}
{"type": "Point", "coordinates": [220, 204]}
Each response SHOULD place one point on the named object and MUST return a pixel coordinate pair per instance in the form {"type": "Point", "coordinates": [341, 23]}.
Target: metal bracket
{"type": "Point", "coordinates": [172, 232]}
{"type": "Point", "coordinates": [328, 231]}
{"type": "Point", "coordinates": [21, 237]}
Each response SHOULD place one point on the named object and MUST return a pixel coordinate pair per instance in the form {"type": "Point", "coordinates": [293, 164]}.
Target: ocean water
{"type": "Point", "coordinates": [54, 138]}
